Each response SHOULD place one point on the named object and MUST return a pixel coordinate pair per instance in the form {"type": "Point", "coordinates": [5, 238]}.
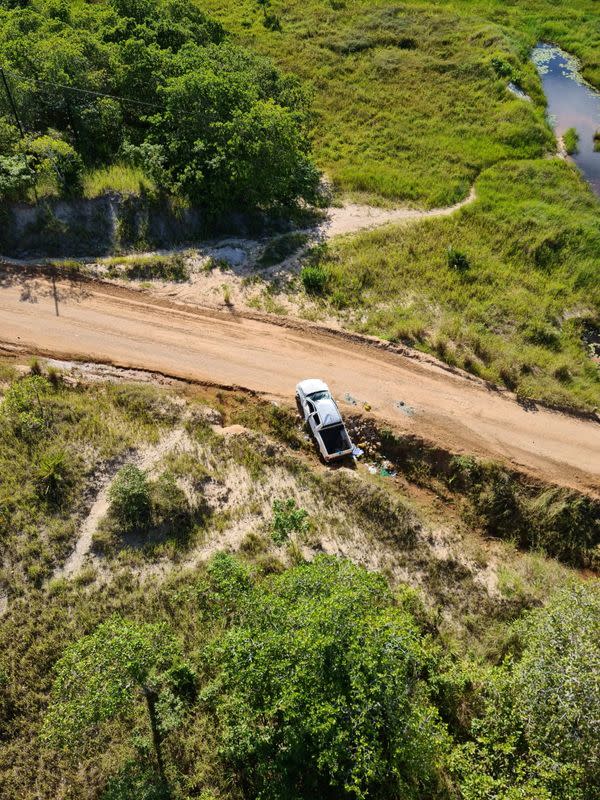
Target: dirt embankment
{"type": "Point", "coordinates": [414, 393]}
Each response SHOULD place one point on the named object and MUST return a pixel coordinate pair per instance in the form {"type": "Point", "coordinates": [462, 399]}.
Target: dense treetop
{"type": "Point", "coordinates": [203, 116]}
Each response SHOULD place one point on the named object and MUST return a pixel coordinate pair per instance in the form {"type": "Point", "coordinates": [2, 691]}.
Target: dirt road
{"type": "Point", "coordinates": [101, 322]}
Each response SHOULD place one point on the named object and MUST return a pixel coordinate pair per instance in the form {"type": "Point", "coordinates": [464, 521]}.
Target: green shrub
{"type": "Point", "coordinates": [56, 161]}
{"type": "Point", "coordinates": [457, 260]}
{"type": "Point", "coordinates": [287, 519]}
{"type": "Point", "coordinates": [16, 176]}
{"type": "Point", "coordinates": [55, 475]}
{"type": "Point", "coordinates": [129, 497]}
{"type": "Point", "coordinates": [25, 405]}
{"type": "Point", "coordinates": [314, 279]}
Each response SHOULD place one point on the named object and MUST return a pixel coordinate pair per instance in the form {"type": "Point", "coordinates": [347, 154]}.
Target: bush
{"type": "Point", "coordinates": [57, 161]}
{"type": "Point", "coordinates": [24, 405]}
{"type": "Point", "coordinates": [16, 177]}
{"type": "Point", "coordinates": [130, 498]}
{"type": "Point", "coordinates": [287, 519]}
{"type": "Point", "coordinates": [56, 475]}
{"type": "Point", "coordinates": [457, 260]}
{"type": "Point", "coordinates": [314, 279]}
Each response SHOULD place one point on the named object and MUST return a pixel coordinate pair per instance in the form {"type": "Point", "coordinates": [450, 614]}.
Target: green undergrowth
{"type": "Point", "coordinates": [56, 442]}
{"type": "Point", "coordinates": [495, 501]}
{"type": "Point", "coordinates": [148, 267]}
{"type": "Point", "coordinates": [275, 655]}
{"type": "Point", "coordinates": [503, 289]}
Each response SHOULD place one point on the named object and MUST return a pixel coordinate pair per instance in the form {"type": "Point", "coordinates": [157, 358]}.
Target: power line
{"type": "Point", "coordinates": [12, 103]}
{"type": "Point", "coordinates": [78, 90]}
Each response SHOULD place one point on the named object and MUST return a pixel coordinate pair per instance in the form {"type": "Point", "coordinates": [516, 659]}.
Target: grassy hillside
{"type": "Point", "coordinates": [410, 98]}
{"type": "Point", "coordinates": [412, 105]}
{"type": "Point", "coordinates": [350, 596]}
{"type": "Point", "coordinates": [503, 289]}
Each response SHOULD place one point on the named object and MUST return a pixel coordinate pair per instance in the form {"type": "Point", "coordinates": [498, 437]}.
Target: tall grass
{"type": "Point", "coordinates": [118, 178]}
{"type": "Point", "coordinates": [410, 99]}
{"type": "Point", "coordinates": [515, 313]}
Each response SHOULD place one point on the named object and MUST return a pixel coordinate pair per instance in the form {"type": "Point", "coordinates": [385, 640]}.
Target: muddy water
{"type": "Point", "coordinates": [572, 103]}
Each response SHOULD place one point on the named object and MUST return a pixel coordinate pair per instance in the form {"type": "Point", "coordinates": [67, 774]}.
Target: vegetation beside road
{"type": "Point", "coordinates": [503, 289]}
{"type": "Point", "coordinates": [129, 96]}
{"type": "Point", "coordinates": [201, 660]}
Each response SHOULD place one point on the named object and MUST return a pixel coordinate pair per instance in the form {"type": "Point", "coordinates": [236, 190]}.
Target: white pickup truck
{"type": "Point", "coordinates": [324, 419]}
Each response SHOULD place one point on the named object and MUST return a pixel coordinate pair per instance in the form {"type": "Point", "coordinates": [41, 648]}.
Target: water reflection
{"type": "Point", "coordinates": [572, 103]}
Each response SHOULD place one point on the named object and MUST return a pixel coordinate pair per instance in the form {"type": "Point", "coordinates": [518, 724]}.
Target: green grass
{"type": "Point", "coordinates": [571, 141]}
{"type": "Point", "coordinates": [515, 314]}
{"type": "Point", "coordinates": [118, 178]}
{"type": "Point", "coordinates": [148, 267]}
{"type": "Point", "coordinates": [410, 99]}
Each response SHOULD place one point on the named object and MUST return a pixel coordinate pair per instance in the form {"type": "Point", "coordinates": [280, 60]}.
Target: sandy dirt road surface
{"type": "Point", "coordinates": [97, 321]}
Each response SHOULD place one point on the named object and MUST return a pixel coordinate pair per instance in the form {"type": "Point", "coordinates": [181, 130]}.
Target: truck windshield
{"type": "Point", "coordinates": [320, 396]}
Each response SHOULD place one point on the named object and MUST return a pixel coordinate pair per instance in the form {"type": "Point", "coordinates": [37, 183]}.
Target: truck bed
{"type": "Point", "coordinates": [335, 439]}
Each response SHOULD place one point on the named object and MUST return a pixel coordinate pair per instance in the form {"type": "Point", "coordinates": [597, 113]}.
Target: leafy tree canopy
{"type": "Point", "coordinates": [224, 127]}
{"type": "Point", "coordinates": [101, 675]}
{"type": "Point", "coordinates": [322, 691]}
{"type": "Point", "coordinates": [538, 738]}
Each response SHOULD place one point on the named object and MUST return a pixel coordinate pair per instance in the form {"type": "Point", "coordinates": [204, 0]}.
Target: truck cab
{"type": "Point", "coordinates": [324, 419]}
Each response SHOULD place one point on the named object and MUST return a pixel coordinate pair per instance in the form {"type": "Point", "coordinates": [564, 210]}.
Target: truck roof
{"type": "Point", "coordinates": [328, 411]}
{"type": "Point", "coordinates": [311, 385]}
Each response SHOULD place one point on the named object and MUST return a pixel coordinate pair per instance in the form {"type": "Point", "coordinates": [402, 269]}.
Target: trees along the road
{"type": "Point", "coordinates": [103, 675]}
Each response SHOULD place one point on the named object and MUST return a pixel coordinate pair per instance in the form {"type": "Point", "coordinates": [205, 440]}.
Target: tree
{"type": "Point", "coordinates": [101, 676]}
{"type": "Point", "coordinates": [223, 126]}
{"type": "Point", "coordinates": [322, 691]}
{"type": "Point", "coordinates": [539, 735]}
{"type": "Point", "coordinates": [558, 681]}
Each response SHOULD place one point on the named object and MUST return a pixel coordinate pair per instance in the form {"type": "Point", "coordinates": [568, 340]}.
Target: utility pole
{"type": "Point", "coordinates": [12, 103]}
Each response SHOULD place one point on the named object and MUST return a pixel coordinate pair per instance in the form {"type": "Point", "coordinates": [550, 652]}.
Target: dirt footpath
{"type": "Point", "coordinates": [101, 322]}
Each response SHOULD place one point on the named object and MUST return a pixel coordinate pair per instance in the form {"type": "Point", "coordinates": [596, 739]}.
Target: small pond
{"type": "Point", "coordinates": [572, 103]}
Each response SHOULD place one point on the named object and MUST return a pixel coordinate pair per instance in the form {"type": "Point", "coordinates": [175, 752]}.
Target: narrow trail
{"type": "Point", "coordinates": [145, 459]}
{"type": "Point", "coordinates": [91, 320]}
{"type": "Point", "coordinates": [352, 217]}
